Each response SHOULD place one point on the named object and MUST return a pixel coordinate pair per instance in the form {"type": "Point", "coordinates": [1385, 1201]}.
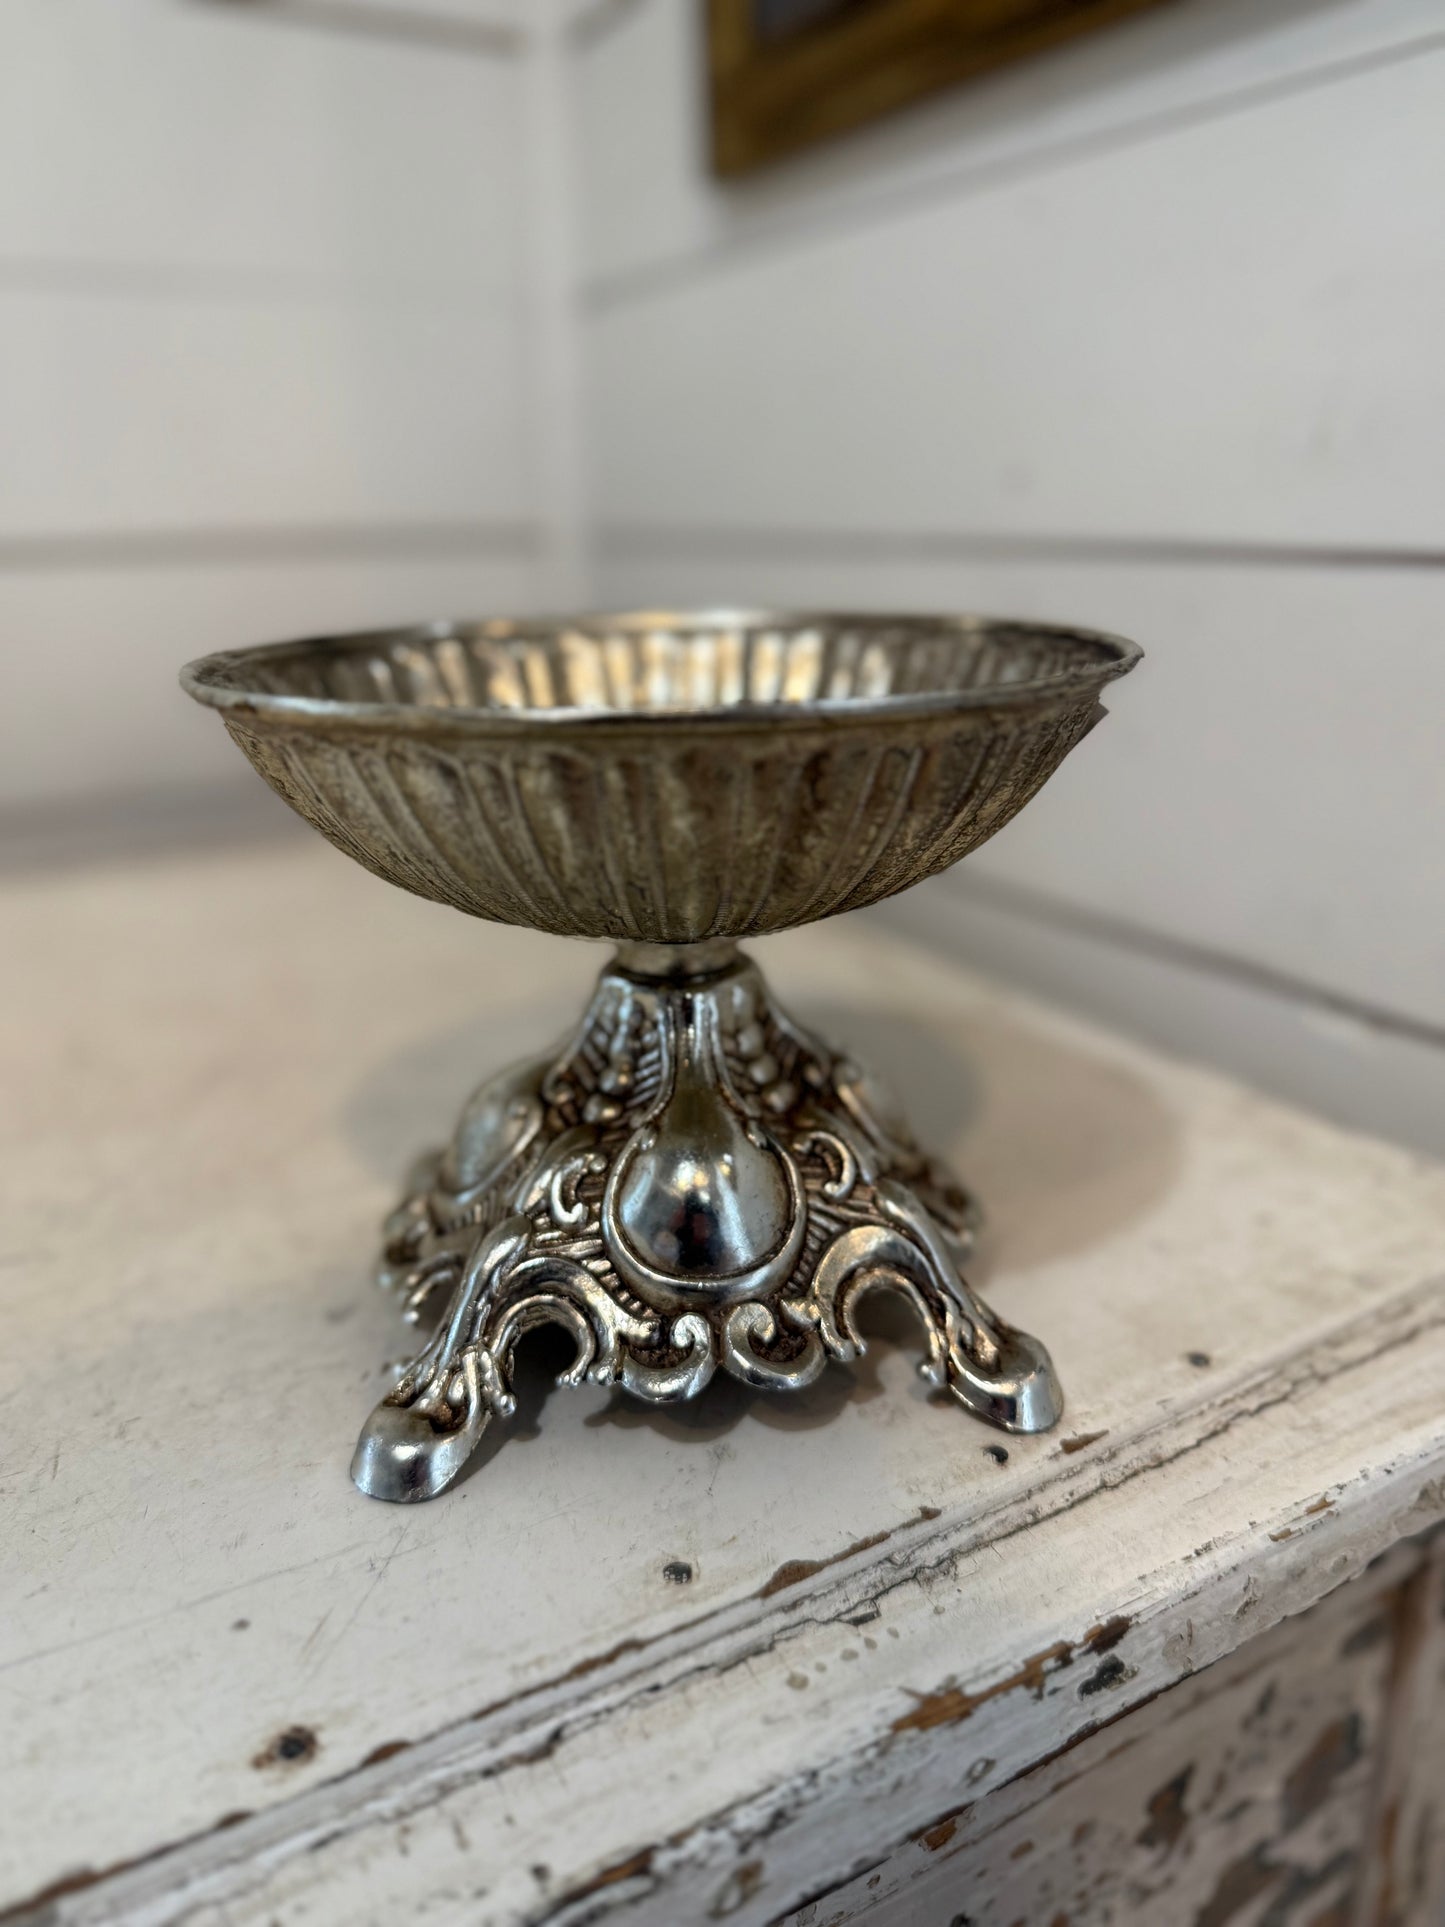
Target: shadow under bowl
{"type": "Point", "coordinates": [664, 778]}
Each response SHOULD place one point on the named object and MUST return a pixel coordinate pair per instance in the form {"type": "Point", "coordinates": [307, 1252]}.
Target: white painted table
{"type": "Point", "coordinates": [812, 1659]}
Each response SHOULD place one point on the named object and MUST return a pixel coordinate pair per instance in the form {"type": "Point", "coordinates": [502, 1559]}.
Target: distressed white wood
{"type": "Point", "coordinates": [213, 146]}
{"type": "Point", "coordinates": [1408, 1869]}
{"type": "Point", "coordinates": [100, 647]}
{"type": "Point", "coordinates": [651, 209]}
{"type": "Point", "coordinates": [1175, 341]}
{"type": "Point", "coordinates": [1252, 1787]}
{"type": "Point", "coordinates": [224, 1063]}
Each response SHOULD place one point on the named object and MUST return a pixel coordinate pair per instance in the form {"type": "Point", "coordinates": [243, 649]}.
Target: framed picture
{"type": "Point", "coordinates": [787, 73]}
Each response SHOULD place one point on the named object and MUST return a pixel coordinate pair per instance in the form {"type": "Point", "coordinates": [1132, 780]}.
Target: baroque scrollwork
{"type": "Point", "coordinates": [692, 1184]}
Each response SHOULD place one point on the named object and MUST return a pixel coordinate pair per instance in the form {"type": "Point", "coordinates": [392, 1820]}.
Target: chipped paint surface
{"type": "Point", "coordinates": [950, 1704]}
{"type": "Point", "coordinates": [1253, 1786]}
{"type": "Point", "coordinates": [524, 1713]}
{"type": "Point", "coordinates": [1080, 1442]}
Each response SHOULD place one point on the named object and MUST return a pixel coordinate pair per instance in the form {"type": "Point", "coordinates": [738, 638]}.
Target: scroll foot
{"type": "Point", "coordinates": [402, 1456]}
{"type": "Point", "coordinates": [693, 1185]}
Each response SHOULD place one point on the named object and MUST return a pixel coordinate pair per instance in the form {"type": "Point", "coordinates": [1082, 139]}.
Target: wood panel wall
{"type": "Point", "coordinates": [305, 308]}
{"type": "Point", "coordinates": [1143, 333]}
{"type": "Point", "coordinates": [268, 353]}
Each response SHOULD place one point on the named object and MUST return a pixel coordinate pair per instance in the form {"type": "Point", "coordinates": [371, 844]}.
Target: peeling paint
{"type": "Point", "coordinates": [949, 1704]}
{"type": "Point", "coordinates": [1104, 1638]}
{"type": "Point", "coordinates": [1310, 1783]}
{"type": "Point", "coordinates": [793, 1572]}
{"type": "Point", "coordinates": [737, 1890]}
{"type": "Point", "coordinates": [1242, 1881]}
{"type": "Point", "coordinates": [1080, 1440]}
{"type": "Point", "coordinates": [596, 1660]}
{"type": "Point", "coordinates": [1167, 1816]}
{"type": "Point", "coordinates": [896, 1578]}
{"type": "Point", "coordinates": [39, 1909]}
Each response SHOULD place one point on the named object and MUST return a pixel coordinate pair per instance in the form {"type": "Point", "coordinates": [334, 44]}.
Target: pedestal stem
{"type": "Point", "coordinates": [677, 962]}
{"type": "Point", "coordinates": [694, 1184]}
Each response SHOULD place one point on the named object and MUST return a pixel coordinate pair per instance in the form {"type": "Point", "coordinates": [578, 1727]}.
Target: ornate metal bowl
{"type": "Point", "coordinates": [664, 779]}
{"type": "Point", "coordinates": [694, 1183]}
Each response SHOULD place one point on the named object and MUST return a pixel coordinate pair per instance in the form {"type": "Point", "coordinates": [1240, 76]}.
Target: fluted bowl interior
{"type": "Point", "coordinates": [626, 665]}
{"type": "Point", "coordinates": [658, 777]}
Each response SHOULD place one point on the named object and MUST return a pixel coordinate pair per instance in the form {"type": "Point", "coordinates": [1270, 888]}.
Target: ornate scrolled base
{"type": "Point", "coordinates": [693, 1184]}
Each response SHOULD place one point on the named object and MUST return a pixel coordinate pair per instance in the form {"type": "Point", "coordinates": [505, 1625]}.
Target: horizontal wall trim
{"type": "Point", "coordinates": [844, 212]}
{"type": "Point", "coordinates": [590, 23]}
{"type": "Point", "coordinates": [166, 820]}
{"type": "Point", "coordinates": [492, 39]}
{"type": "Point", "coordinates": [640, 542]}
{"type": "Point", "coordinates": [319, 542]}
{"type": "Point", "coordinates": [127, 825]}
{"type": "Point", "coordinates": [237, 285]}
{"type": "Point", "coordinates": [1039, 907]}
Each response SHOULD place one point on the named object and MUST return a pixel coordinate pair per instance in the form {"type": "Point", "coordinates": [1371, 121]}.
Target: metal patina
{"type": "Point", "coordinates": [693, 1183]}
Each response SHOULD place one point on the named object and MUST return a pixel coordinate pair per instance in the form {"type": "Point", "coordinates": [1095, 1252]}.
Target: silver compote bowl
{"type": "Point", "coordinates": [692, 1182]}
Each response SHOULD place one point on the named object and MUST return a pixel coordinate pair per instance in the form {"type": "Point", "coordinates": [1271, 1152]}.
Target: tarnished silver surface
{"type": "Point", "coordinates": [664, 778]}
{"type": "Point", "coordinates": [693, 1184]}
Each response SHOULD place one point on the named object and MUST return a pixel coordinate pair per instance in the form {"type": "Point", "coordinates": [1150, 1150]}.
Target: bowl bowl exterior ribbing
{"type": "Point", "coordinates": [664, 778]}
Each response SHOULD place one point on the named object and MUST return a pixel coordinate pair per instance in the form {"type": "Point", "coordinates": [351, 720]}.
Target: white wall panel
{"type": "Point", "coordinates": [128, 413]}
{"type": "Point", "coordinates": [1232, 337]}
{"type": "Point", "coordinates": [1360, 1072]}
{"type": "Point", "coordinates": [89, 703]}
{"type": "Point", "coordinates": [648, 205]}
{"type": "Point", "coordinates": [217, 140]}
{"type": "Point", "coordinates": [265, 352]}
{"type": "Point", "coordinates": [512, 17]}
{"type": "Point", "coordinates": [1269, 783]}
{"type": "Point", "coordinates": [1141, 333]}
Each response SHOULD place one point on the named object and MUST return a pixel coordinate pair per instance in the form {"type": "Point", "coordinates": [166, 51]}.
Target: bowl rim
{"type": "Point", "coordinates": [200, 678]}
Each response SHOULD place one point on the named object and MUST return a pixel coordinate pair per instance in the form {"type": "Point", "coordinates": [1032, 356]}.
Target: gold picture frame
{"type": "Point", "coordinates": [785, 74]}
